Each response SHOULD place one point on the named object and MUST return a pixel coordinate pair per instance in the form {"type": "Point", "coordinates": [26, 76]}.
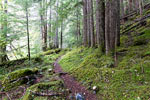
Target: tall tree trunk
{"type": "Point", "coordinates": [100, 23]}
{"type": "Point", "coordinates": [50, 26]}
{"type": "Point", "coordinates": [45, 26]}
{"type": "Point", "coordinates": [88, 23]}
{"type": "Point", "coordinates": [61, 35]}
{"type": "Point", "coordinates": [78, 24]}
{"type": "Point", "coordinates": [3, 57]}
{"type": "Point", "coordinates": [5, 30]}
{"type": "Point", "coordinates": [122, 8]}
{"type": "Point", "coordinates": [91, 23]}
{"type": "Point", "coordinates": [141, 6]}
{"type": "Point", "coordinates": [118, 22]}
{"type": "Point", "coordinates": [107, 27]}
{"type": "Point", "coordinates": [43, 18]}
{"type": "Point", "coordinates": [85, 22]}
{"type": "Point", "coordinates": [130, 5]}
{"type": "Point", "coordinates": [28, 36]}
{"type": "Point", "coordinates": [56, 36]}
{"type": "Point", "coordinates": [4, 26]}
{"type": "Point", "coordinates": [112, 25]}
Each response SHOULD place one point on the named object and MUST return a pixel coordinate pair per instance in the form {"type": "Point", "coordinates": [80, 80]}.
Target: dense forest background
{"type": "Point", "coordinates": [51, 45]}
{"type": "Point", "coordinates": [30, 26]}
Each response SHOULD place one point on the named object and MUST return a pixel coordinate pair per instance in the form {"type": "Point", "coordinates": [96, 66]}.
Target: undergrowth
{"type": "Point", "coordinates": [130, 79]}
{"type": "Point", "coordinates": [34, 75]}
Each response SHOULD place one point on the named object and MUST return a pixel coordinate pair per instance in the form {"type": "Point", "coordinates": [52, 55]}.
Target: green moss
{"type": "Point", "coordinates": [123, 40]}
{"type": "Point", "coordinates": [13, 62]}
{"type": "Point", "coordinates": [148, 21]}
{"type": "Point", "coordinates": [75, 57]}
{"type": "Point", "coordinates": [143, 39]}
{"type": "Point", "coordinates": [128, 81]}
{"type": "Point", "coordinates": [146, 12]}
{"type": "Point", "coordinates": [139, 41]}
{"type": "Point", "coordinates": [11, 79]}
{"type": "Point", "coordinates": [146, 54]}
{"type": "Point", "coordinates": [50, 59]}
{"type": "Point", "coordinates": [54, 86]}
{"type": "Point", "coordinates": [51, 52]}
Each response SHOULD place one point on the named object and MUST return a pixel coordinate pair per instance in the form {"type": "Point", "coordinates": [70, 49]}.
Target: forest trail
{"type": "Point", "coordinates": [72, 84]}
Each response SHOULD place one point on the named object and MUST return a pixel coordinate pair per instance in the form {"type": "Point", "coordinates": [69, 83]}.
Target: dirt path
{"type": "Point", "coordinates": [72, 84]}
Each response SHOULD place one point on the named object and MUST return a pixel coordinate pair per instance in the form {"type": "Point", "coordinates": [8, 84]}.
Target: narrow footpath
{"type": "Point", "coordinates": [72, 84]}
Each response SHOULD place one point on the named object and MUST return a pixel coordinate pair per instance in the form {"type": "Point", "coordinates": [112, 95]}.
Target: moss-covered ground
{"type": "Point", "coordinates": [130, 80]}
{"type": "Point", "coordinates": [19, 78]}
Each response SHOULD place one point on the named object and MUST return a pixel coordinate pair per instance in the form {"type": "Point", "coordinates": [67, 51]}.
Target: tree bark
{"type": "Point", "coordinates": [45, 25]}
{"type": "Point", "coordinates": [56, 36]}
{"type": "Point", "coordinates": [107, 27]}
{"type": "Point", "coordinates": [100, 23]}
{"type": "Point", "coordinates": [43, 17]}
{"type": "Point", "coordinates": [91, 23]}
{"type": "Point", "coordinates": [78, 24]}
{"type": "Point", "coordinates": [112, 25]}
{"type": "Point", "coordinates": [118, 22]}
{"type": "Point", "coordinates": [50, 26]}
{"type": "Point", "coordinates": [141, 6]}
{"type": "Point", "coordinates": [28, 36]}
{"type": "Point", "coordinates": [88, 23]}
{"type": "Point", "coordinates": [61, 35]}
{"type": "Point", "coordinates": [85, 22]}
{"type": "Point", "coordinates": [122, 8]}
{"type": "Point", "coordinates": [130, 5]}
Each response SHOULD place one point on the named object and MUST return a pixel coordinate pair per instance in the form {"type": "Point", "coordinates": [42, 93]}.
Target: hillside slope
{"type": "Point", "coordinates": [130, 79]}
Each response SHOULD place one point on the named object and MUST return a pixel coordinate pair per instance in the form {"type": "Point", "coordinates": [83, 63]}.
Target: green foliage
{"type": "Point", "coordinates": [130, 80]}
{"type": "Point", "coordinates": [77, 55]}
{"type": "Point", "coordinates": [140, 41]}
{"type": "Point", "coordinates": [123, 40]}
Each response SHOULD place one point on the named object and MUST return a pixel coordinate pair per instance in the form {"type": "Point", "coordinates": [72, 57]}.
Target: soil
{"type": "Point", "coordinates": [73, 85]}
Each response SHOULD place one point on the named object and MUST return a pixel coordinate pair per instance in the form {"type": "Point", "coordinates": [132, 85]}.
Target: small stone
{"type": "Point", "coordinates": [94, 87]}
{"type": "Point", "coordinates": [84, 93]}
{"type": "Point", "coordinates": [113, 71]}
{"type": "Point", "coordinates": [138, 98]}
{"type": "Point", "coordinates": [50, 70]}
{"type": "Point", "coordinates": [146, 82]}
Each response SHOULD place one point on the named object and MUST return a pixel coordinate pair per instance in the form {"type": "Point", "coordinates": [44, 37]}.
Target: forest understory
{"type": "Point", "coordinates": [88, 72]}
{"type": "Point", "coordinates": [37, 80]}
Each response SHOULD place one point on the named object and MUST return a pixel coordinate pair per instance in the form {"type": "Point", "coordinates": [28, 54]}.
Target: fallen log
{"type": "Point", "coordinates": [147, 6]}
{"type": "Point", "coordinates": [45, 94]}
